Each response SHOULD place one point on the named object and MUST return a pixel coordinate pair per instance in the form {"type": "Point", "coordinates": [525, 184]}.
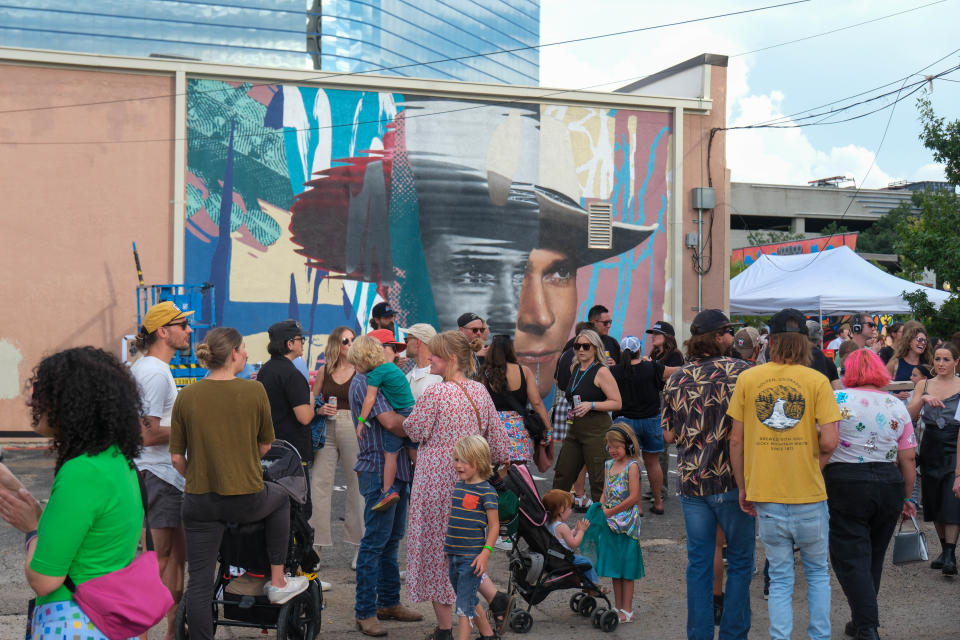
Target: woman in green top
{"type": "Point", "coordinates": [88, 403]}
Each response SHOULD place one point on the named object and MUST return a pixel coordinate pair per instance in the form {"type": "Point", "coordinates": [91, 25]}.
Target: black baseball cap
{"type": "Point", "coordinates": [788, 321]}
{"type": "Point", "coordinates": [663, 328]}
{"type": "Point", "coordinates": [709, 320]}
{"type": "Point", "coordinates": [285, 330]}
{"type": "Point", "coordinates": [467, 318]}
{"type": "Point", "coordinates": [382, 310]}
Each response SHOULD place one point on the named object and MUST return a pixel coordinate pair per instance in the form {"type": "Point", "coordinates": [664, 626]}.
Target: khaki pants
{"type": "Point", "coordinates": [341, 446]}
{"type": "Point", "coordinates": [584, 444]}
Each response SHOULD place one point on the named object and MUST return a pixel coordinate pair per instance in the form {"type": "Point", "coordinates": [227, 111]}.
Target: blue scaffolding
{"type": "Point", "coordinates": [188, 297]}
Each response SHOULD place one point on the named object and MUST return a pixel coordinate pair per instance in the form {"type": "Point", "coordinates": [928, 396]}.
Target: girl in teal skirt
{"type": "Point", "coordinates": [613, 540]}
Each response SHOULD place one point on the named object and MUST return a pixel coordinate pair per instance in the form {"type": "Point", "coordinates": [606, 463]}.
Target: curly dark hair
{"type": "Point", "coordinates": [493, 371]}
{"type": "Point", "coordinates": [90, 401]}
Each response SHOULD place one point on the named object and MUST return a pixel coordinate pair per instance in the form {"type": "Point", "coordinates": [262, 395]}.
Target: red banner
{"type": "Point", "coordinates": [747, 255]}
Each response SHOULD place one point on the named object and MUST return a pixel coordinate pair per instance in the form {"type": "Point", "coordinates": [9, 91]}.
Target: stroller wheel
{"type": "Point", "coordinates": [299, 619]}
{"type": "Point", "coordinates": [575, 601]}
{"type": "Point", "coordinates": [181, 628]}
{"type": "Point", "coordinates": [609, 621]}
{"type": "Point", "coordinates": [521, 621]}
{"type": "Point", "coordinates": [587, 605]}
{"type": "Point", "coordinates": [597, 616]}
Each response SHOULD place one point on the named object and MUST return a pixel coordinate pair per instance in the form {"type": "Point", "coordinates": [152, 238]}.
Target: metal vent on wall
{"type": "Point", "coordinates": [599, 225]}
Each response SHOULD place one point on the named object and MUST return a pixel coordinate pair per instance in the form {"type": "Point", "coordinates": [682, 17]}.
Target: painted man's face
{"type": "Point", "coordinates": [545, 313]}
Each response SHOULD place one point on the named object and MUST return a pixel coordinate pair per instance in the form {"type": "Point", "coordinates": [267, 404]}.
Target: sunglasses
{"type": "Point", "coordinates": [346, 341]}
{"type": "Point", "coordinates": [921, 340]}
{"type": "Point", "coordinates": [870, 324]}
{"type": "Point", "coordinates": [581, 346]}
{"type": "Point", "coordinates": [731, 331]}
{"type": "Point", "coordinates": [476, 330]}
{"type": "Point", "coordinates": [605, 323]}
{"type": "Point", "coordinates": [183, 324]}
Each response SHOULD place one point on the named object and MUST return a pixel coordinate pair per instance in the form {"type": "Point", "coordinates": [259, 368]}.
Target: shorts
{"type": "Point", "coordinates": [163, 503]}
{"type": "Point", "coordinates": [465, 583]}
{"type": "Point", "coordinates": [648, 432]}
{"type": "Point", "coordinates": [393, 443]}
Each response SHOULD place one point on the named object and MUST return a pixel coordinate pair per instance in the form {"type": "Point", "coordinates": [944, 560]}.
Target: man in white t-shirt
{"type": "Point", "coordinates": [165, 329]}
{"type": "Point", "coordinates": [419, 377]}
{"type": "Point", "coordinates": [843, 334]}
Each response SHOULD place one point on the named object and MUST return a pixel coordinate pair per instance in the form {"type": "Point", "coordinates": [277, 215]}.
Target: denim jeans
{"type": "Point", "coordinates": [378, 568]}
{"type": "Point", "coordinates": [465, 583]}
{"type": "Point", "coordinates": [701, 515]}
{"type": "Point", "coordinates": [865, 502]}
{"type": "Point", "coordinates": [805, 525]}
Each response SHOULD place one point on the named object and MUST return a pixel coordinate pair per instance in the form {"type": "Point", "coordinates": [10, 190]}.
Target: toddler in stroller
{"type": "Point", "coordinates": [542, 565]}
{"type": "Point", "coordinates": [243, 567]}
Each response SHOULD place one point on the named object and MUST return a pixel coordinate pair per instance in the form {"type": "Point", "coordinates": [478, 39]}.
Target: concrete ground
{"type": "Point", "coordinates": [915, 602]}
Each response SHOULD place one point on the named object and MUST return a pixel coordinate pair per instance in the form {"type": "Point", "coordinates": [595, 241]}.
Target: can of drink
{"type": "Point", "coordinates": [576, 401]}
{"type": "Point", "coordinates": [332, 401]}
{"type": "Point", "coordinates": [606, 353]}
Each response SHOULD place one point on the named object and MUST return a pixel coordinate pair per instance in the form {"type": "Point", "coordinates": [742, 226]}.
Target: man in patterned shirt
{"type": "Point", "coordinates": [694, 416]}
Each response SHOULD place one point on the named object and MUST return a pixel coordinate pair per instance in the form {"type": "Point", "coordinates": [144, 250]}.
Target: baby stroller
{"type": "Point", "coordinates": [244, 569]}
{"type": "Point", "coordinates": [542, 565]}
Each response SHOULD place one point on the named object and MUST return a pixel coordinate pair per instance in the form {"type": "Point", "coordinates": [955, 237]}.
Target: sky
{"type": "Point", "coordinates": [779, 81]}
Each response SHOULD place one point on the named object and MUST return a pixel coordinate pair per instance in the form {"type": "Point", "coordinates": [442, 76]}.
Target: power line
{"type": "Point", "coordinates": [450, 59]}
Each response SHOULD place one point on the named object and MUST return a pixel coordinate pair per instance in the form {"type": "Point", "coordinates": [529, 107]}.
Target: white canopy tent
{"type": "Point", "coordinates": [831, 282]}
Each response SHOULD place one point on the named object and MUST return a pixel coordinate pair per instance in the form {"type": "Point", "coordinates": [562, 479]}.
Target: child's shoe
{"type": "Point", "coordinates": [386, 499]}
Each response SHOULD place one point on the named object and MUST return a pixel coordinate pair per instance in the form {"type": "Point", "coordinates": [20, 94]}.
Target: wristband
{"type": "Point", "coordinates": [910, 500]}
{"type": "Point", "coordinates": [27, 539]}
{"type": "Point", "coordinates": [593, 406]}
{"type": "Point", "coordinates": [488, 548]}
{"type": "Point", "coordinates": [361, 420]}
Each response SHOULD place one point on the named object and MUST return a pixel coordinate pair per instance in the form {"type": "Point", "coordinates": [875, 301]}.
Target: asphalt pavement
{"type": "Point", "coordinates": [915, 601]}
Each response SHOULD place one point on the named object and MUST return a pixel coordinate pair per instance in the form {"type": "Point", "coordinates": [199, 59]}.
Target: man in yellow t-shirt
{"type": "Point", "coordinates": [784, 430]}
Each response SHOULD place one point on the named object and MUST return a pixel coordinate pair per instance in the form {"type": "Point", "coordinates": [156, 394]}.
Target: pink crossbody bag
{"type": "Point", "coordinates": [127, 602]}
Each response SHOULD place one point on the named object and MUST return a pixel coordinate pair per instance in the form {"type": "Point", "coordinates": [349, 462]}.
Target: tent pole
{"type": "Point", "coordinates": [820, 310]}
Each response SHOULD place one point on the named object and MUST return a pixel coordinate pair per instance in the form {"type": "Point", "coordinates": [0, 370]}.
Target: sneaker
{"type": "Point", "coordinates": [294, 587]}
{"type": "Point", "coordinates": [386, 499]}
{"type": "Point", "coordinates": [766, 592]}
{"type": "Point", "coordinates": [325, 586]}
{"type": "Point", "coordinates": [504, 544]}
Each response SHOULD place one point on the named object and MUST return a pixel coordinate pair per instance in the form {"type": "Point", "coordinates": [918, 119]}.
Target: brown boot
{"type": "Point", "coordinates": [371, 627]}
{"type": "Point", "coordinates": [399, 612]}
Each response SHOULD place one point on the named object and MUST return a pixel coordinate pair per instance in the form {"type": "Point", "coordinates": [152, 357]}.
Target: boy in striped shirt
{"type": "Point", "coordinates": [471, 531]}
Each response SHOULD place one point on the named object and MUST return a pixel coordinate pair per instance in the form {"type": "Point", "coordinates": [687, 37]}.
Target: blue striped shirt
{"type": "Point", "coordinates": [370, 458]}
{"type": "Point", "coordinates": [466, 530]}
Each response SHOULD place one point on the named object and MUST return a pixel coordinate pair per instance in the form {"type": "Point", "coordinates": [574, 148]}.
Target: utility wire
{"type": "Point", "coordinates": [450, 59]}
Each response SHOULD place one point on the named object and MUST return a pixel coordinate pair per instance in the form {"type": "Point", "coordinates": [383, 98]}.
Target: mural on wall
{"type": "Point", "coordinates": [316, 204]}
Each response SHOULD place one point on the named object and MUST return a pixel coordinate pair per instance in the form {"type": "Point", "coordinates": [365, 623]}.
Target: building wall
{"type": "Point", "coordinates": [71, 211]}
{"type": "Point", "coordinates": [316, 202]}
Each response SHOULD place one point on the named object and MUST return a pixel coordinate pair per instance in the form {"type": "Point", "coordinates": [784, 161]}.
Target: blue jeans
{"type": "Point", "coordinates": [807, 526]}
{"type": "Point", "coordinates": [701, 515]}
{"type": "Point", "coordinates": [465, 583]}
{"type": "Point", "coordinates": [378, 569]}
{"type": "Point", "coordinates": [648, 432]}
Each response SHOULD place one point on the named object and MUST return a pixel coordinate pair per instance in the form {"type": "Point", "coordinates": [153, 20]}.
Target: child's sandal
{"type": "Point", "coordinates": [626, 616]}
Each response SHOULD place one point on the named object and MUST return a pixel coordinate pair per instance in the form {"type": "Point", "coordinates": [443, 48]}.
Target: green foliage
{"type": "Point", "coordinates": [881, 236]}
{"type": "Point", "coordinates": [942, 323]}
{"type": "Point", "coordinates": [834, 229]}
{"type": "Point", "coordinates": [736, 269]}
{"type": "Point", "coordinates": [932, 240]}
{"type": "Point", "coordinates": [941, 137]}
{"type": "Point", "coordinates": [755, 238]}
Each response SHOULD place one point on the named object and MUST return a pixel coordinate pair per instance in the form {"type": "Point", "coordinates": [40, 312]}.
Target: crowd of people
{"type": "Point", "coordinates": [772, 438]}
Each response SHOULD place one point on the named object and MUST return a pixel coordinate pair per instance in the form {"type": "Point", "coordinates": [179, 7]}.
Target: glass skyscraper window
{"type": "Point", "coordinates": [392, 37]}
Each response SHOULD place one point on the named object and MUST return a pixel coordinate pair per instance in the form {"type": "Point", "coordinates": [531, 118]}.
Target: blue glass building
{"type": "Point", "coordinates": [393, 37]}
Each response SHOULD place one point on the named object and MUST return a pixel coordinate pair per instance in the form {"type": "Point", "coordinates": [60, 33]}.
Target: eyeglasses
{"type": "Point", "coordinates": [346, 341]}
{"type": "Point", "coordinates": [605, 323]}
{"type": "Point", "coordinates": [582, 346]}
{"type": "Point", "coordinates": [300, 338]}
{"type": "Point", "coordinates": [183, 325]}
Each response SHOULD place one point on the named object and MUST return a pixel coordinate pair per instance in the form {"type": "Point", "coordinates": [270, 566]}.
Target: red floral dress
{"type": "Point", "coordinates": [442, 416]}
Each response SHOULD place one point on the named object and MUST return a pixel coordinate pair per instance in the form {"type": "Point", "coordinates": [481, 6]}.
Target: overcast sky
{"type": "Point", "coordinates": [779, 81]}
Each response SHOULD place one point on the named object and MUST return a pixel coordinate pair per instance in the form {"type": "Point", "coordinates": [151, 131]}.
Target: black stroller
{"type": "Point", "coordinates": [542, 565]}
{"type": "Point", "coordinates": [244, 569]}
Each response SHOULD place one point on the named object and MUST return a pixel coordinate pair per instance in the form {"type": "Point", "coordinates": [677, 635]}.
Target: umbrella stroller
{"type": "Point", "coordinates": [541, 565]}
{"type": "Point", "coordinates": [244, 568]}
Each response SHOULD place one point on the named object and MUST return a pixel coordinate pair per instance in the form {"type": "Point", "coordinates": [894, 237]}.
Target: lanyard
{"type": "Point", "coordinates": [576, 380]}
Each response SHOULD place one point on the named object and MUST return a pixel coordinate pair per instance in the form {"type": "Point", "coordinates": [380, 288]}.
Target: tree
{"type": "Point", "coordinates": [755, 238]}
{"type": "Point", "coordinates": [881, 236]}
{"type": "Point", "coordinates": [943, 322]}
{"type": "Point", "coordinates": [834, 229]}
{"type": "Point", "coordinates": [931, 240]}
{"type": "Point", "coordinates": [943, 138]}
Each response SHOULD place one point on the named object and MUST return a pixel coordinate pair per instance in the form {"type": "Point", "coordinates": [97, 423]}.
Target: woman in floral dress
{"type": "Point", "coordinates": [446, 412]}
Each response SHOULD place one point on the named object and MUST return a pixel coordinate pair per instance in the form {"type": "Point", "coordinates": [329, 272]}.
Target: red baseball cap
{"type": "Point", "coordinates": [386, 337]}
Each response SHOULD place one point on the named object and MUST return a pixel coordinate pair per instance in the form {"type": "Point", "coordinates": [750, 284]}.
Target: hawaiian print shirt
{"type": "Point", "coordinates": [695, 408]}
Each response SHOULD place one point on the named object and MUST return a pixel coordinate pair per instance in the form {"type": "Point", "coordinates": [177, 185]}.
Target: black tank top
{"type": "Point", "coordinates": [507, 400]}
{"type": "Point", "coordinates": [581, 384]}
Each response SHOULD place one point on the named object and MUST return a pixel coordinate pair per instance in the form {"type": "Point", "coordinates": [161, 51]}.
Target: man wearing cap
{"type": "Point", "coordinates": [291, 401]}
{"type": "Point", "coordinates": [165, 330]}
{"type": "Point", "coordinates": [472, 327]}
{"type": "Point", "coordinates": [819, 361]}
{"type": "Point", "coordinates": [784, 430]}
{"type": "Point", "coordinates": [696, 399]}
{"type": "Point", "coordinates": [382, 317]}
{"type": "Point", "coordinates": [599, 316]}
{"type": "Point", "coordinates": [747, 344]}
{"type": "Point", "coordinates": [419, 377]}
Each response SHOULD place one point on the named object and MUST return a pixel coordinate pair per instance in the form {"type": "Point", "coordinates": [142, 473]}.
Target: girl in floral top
{"type": "Point", "coordinates": [612, 542]}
